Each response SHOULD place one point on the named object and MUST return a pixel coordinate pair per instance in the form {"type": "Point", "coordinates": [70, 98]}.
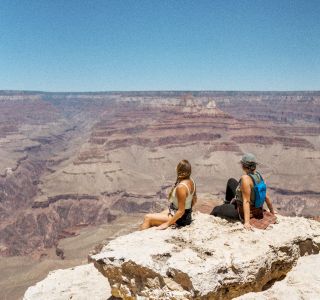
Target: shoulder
{"type": "Point", "coordinates": [246, 180]}
{"type": "Point", "coordinates": [181, 189]}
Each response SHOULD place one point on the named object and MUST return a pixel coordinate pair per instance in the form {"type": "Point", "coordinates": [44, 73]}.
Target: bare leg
{"type": "Point", "coordinates": [154, 219]}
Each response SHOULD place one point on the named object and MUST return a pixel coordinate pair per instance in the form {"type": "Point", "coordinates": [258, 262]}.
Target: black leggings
{"type": "Point", "coordinates": [228, 210]}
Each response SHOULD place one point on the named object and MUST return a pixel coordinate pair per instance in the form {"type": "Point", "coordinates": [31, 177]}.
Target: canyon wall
{"type": "Point", "coordinates": [70, 159]}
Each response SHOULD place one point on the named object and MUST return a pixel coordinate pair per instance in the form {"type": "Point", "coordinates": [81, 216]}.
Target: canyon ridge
{"type": "Point", "coordinates": [72, 162]}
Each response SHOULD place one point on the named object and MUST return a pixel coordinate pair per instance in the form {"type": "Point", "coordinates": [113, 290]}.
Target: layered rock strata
{"type": "Point", "coordinates": [61, 153]}
{"type": "Point", "coordinates": [210, 259]}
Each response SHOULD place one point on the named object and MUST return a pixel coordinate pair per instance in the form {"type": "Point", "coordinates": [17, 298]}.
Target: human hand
{"type": "Point", "coordinates": [247, 226]}
{"type": "Point", "coordinates": [163, 226]}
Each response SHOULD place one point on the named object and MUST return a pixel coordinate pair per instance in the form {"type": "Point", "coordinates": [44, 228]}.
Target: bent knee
{"type": "Point", "coordinates": [232, 182]}
{"type": "Point", "coordinates": [215, 211]}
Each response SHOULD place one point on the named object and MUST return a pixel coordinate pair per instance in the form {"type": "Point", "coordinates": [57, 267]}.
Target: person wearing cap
{"type": "Point", "coordinates": [240, 195]}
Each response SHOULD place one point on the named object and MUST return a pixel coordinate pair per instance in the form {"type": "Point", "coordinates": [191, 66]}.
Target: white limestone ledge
{"type": "Point", "coordinates": [210, 259]}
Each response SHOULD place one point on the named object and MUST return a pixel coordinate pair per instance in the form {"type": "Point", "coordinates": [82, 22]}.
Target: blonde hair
{"type": "Point", "coordinates": [183, 172]}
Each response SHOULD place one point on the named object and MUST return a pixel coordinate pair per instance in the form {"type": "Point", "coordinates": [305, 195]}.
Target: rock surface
{"type": "Point", "coordinates": [210, 259]}
{"type": "Point", "coordinates": [303, 282]}
{"type": "Point", "coordinates": [81, 283]}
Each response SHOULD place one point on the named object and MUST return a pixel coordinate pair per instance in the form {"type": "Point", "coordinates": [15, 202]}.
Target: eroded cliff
{"type": "Point", "coordinates": [210, 259]}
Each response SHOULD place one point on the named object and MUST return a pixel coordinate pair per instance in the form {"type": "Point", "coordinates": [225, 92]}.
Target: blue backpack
{"type": "Point", "coordinates": [260, 191]}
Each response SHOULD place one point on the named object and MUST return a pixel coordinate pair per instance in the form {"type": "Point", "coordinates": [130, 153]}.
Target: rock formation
{"type": "Point", "coordinates": [85, 282]}
{"type": "Point", "coordinates": [210, 259]}
{"type": "Point", "coordinates": [230, 261]}
{"type": "Point", "coordinates": [302, 282]}
{"type": "Point", "coordinates": [80, 283]}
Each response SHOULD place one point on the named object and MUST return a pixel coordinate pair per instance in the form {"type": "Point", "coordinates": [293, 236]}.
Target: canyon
{"type": "Point", "coordinates": [74, 160]}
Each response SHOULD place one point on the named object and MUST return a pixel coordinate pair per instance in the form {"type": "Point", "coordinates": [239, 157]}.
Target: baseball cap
{"type": "Point", "coordinates": [248, 159]}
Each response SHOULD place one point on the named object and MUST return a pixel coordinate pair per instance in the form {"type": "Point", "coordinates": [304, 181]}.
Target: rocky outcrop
{"type": "Point", "coordinates": [223, 265]}
{"type": "Point", "coordinates": [84, 282]}
{"type": "Point", "coordinates": [302, 282]}
{"type": "Point", "coordinates": [210, 259]}
{"type": "Point", "coordinates": [81, 283]}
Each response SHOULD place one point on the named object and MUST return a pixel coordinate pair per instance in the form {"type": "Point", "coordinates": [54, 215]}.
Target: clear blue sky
{"type": "Point", "coordinates": [65, 45]}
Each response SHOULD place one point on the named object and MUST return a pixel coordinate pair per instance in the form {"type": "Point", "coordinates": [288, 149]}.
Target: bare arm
{"type": "Point", "coordinates": [246, 192]}
{"type": "Point", "coordinates": [181, 195]}
{"type": "Point", "coordinates": [194, 199]}
{"type": "Point", "coordinates": [269, 204]}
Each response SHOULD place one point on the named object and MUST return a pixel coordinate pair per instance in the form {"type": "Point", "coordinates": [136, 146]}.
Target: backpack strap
{"type": "Point", "coordinates": [252, 177]}
{"type": "Point", "coordinates": [254, 181]}
{"type": "Point", "coordinates": [260, 175]}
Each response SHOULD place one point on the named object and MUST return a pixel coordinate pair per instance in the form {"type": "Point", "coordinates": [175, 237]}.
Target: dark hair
{"type": "Point", "coordinates": [251, 166]}
{"type": "Point", "coordinates": [183, 172]}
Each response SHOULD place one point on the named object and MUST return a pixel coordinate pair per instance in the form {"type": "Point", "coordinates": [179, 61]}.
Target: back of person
{"type": "Point", "coordinates": [190, 186]}
{"type": "Point", "coordinates": [257, 178]}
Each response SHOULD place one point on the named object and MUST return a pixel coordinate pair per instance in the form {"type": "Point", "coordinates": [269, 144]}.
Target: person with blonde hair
{"type": "Point", "coordinates": [182, 198]}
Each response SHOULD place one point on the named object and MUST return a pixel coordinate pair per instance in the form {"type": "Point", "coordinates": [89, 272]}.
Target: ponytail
{"type": "Point", "coordinates": [183, 172]}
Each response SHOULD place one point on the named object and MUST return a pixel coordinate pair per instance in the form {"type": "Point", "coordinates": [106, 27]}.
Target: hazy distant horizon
{"type": "Point", "coordinates": [160, 91]}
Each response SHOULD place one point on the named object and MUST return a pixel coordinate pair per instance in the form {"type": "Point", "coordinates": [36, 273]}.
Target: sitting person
{"type": "Point", "coordinates": [240, 202]}
{"type": "Point", "coordinates": [182, 198]}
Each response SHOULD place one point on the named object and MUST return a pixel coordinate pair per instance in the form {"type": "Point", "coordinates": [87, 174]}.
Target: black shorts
{"type": "Point", "coordinates": [186, 218]}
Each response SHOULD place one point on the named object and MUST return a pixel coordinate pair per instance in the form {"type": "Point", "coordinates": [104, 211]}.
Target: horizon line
{"type": "Point", "coordinates": [159, 91]}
